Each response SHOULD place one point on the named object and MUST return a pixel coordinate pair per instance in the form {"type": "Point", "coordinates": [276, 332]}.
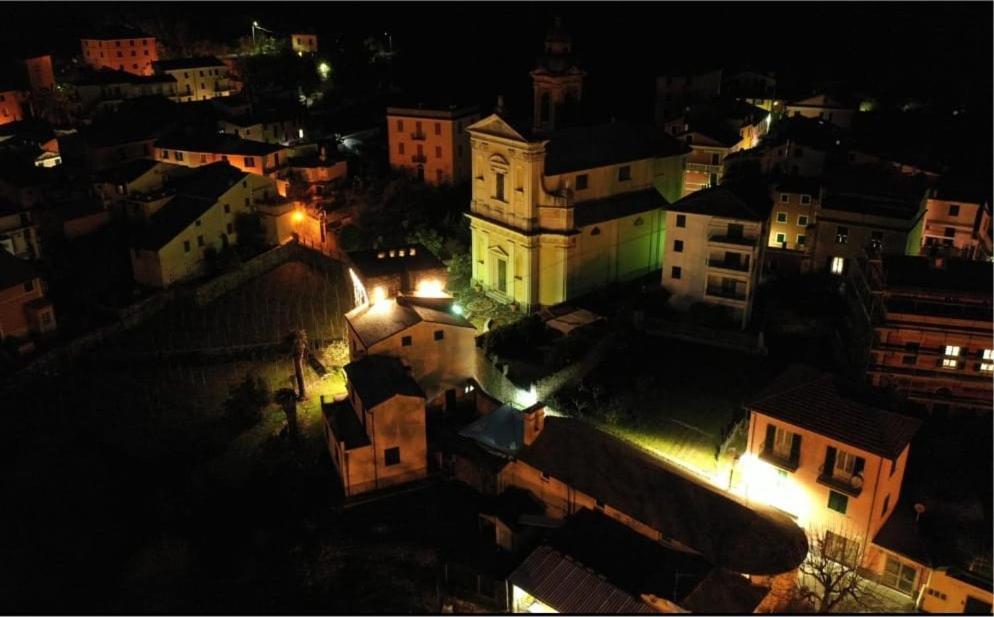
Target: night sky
{"type": "Point", "coordinates": [475, 50]}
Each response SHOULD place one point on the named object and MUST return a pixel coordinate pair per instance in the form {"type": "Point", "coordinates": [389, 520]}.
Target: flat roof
{"type": "Point", "coordinates": [739, 200]}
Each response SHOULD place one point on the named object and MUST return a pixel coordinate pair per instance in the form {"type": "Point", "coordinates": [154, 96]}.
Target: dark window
{"type": "Point", "coordinates": [950, 232]}
{"type": "Point", "coordinates": [200, 240]}
{"type": "Point", "coordinates": [886, 504]}
{"type": "Point", "coordinates": [581, 182]}
{"type": "Point", "coordinates": [909, 360]}
{"type": "Point", "coordinates": [400, 147]}
{"type": "Point", "coordinates": [438, 128]}
{"type": "Point", "coordinates": [439, 335]}
{"type": "Point", "coordinates": [500, 186]}
{"type": "Point", "coordinates": [405, 341]}
{"type": "Point", "coordinates": [249, 161]}
{"type": "Point", "coordinates": [841, 235]}
{"type": "Point", "coordinates": [400, 125]}
{"type": "Point", "coordinates": [681, 220]}
{"type": "Point", "coordinates": [838, 502]}
{"type": "Point", "coordinates": [186, 246]}
{"type": "Point", "coordinates": [227, 209]}
{"type": "Point", "coordinates": [678, 246]}
{"type": "Point", "coordinates": [911, 347]}
{"type": "Point", "coordinates": [675, 272]}
{"type": "Point", "coordinates": [230, 228]}
{"type": "Point", "coordinates": [625, 173]}
{"type": "Point", "coordinates": [438, 152]}
{"type": "Point", "coordinates": [953, 210]}
{"type": "Point", "coordinates": [715, 158]}
{"type": "Point", "coordinates": [735, 230]}
{"type": "Point", "coordinates": [391, 456]}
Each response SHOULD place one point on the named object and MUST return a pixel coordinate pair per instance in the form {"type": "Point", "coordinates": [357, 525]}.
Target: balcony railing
{"type": "Point", "coordinates": [852, 486]}
{"type": "Point", "coordinates": [738, 266]}
{"type": "Point", "coordinates": [787, 463]}
{"type": "Point", "coordinates": [736, 240]}
{"type": "Point", "coordinates": [418, 136]}
{"type": "Point", "coordinates": [704, 168]}
{"type": "Point", "coordinates": [419, 158]}
{"type": "Point", "coordinates": [729, 294]}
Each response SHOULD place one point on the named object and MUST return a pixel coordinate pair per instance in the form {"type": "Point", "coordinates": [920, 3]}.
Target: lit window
{"type": "Point", "coordinates": [781, 217]}
{"type": "Point", "coordinates": [949, 363]}
{"type": "Point", "coordinates": [952, 350]}
{"type": "Point", "coordinates": [988, 361]}
{"type": "Point", "coordinates": [838, 265]}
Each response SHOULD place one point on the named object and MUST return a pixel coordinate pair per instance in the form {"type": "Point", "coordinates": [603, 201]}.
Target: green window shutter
{"type": "Point", "coordinates": [771, 432]}
{"type": "Point", "coordinates": [795, 447]}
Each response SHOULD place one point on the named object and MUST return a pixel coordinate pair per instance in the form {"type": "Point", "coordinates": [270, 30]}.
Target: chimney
{"type": "Point", "coordinates": [499, 109]}
{"type": "Point", "coordinates": [534, 422]}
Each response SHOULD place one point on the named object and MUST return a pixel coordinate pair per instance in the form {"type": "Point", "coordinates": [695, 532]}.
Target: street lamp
{"type": "Point", "coordinates": [390, 39]}
{"type": "Point", "coordinates": [255, 24]}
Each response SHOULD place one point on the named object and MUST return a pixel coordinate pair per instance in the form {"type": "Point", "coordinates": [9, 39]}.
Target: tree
{"type": "Point", "coordinates": [298, 352]}
{"type": "Point", "coordinates": [829, 579]}
{"type": "Point", "coordinates": [288, 402]}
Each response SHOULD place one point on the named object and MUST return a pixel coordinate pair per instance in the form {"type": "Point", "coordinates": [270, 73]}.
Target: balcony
{"type": "Point", "coordinates": [736, 241]}
{"type": "Point", "coordinates": [418, 136]}
{"type": "Point", "coordinates": [731, 265]}
{"type": "Point", "coordinates": [703, 168]}
{"type": "Point", "coordinates": [419, 158]}
{"type": "Point", "coordinates": [717, 291]}
{"type": "Point", "coordinates": [851, 486]}
{"type": "Point", "coordinates": [787, 463]}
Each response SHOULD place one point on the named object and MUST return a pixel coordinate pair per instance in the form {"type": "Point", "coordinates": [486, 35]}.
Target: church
{"type": "Point", "coordinates": [560, 208]}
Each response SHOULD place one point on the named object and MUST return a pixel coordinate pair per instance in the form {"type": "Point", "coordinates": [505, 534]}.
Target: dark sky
{"type": "Point", "coordinates": [929, 50]}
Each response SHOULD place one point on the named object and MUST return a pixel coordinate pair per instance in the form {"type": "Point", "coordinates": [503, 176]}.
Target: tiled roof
{"type": "Point", "coordinates": [740, 200]}
{"type": "Point", "coordinates": [587, 147]}
{"type": "Point", "coordinates": [617, 206]}
{"type": "Point", "coordinates": [369, 264]}
{"type": "Point", "coordinates": [187, 63]}
{"type": "Point", "coordinates": [824, 406]}
{"type": "Point", "coordinates": [377, 322]}
{"type": "Point", "coordinates": [725, 593]}
{"type": "Point", "coordinates": [216, 143]}
{"type": "Point", "coordinates": [627, 559]}
{"type": "Point", "coordinates": [567, 587]}
{"type": "Point", "coordinates": [345, 424]}
{"type": "Point", "coordinates": [379, 378]}
{"type": "Point", "coordinates": [725, 531]}
{"type": "Point", "coordinates": [209, 181]}
{"type": "Point", "coordinates": [14, 271]}
{"type": "Point", "coordinates": [501, 430]}
{"type": "Point", "coordinates": [132, 170]}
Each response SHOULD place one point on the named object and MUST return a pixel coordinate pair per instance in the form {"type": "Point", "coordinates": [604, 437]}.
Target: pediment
{"type": "Point", "coordinates": [496, 126]}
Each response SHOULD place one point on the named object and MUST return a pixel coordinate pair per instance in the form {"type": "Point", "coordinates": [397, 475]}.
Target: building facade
{"type": "Point", "coordinates": [927, 328]}
{"type": "Point", "coordinates": [796, 205]}
{"type": "Point", "coordinates": [715, 246]}
{"type": "Point", "coordinates": [120, 49]}
{"type": "Point", "coordinates": [431, 143]}
{"type": "Point", "coordinates": [957, 225]}
{"type": "Point", "coordinates": [255, 157]}
{"type": "Point", "coordinates": [197, 79]}
{"type": "Point", "coordinates": [24, 309]}
{"type": "Point", "coordinates": [304, 43]}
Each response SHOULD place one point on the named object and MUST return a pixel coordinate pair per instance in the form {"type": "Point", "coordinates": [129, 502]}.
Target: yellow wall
{"type": "Point", "coordinates": [201, 83]}
{"type": "Point", "coordinates": [955, 591]}
{"type": "Point", "coordinates": [173, 262]}
{"type": "Point", "coordinates": [398, 422]}
{"type": "Point", "coordinates": [793, 209]}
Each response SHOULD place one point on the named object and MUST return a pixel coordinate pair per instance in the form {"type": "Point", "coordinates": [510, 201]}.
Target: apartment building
{"type": "Point", "coordinates": [822, 107]}
{"type": "Point", "coordinates": [715, 246]}
{"type": "Point", "coordinates": [24, 309]}
{"type": "Point", "coordinates": [120, 49]}
{"type": "Point", "coordinates": [925, 328]}
{"type": "Point", "coordinates": [957, 221]}
{"type": "Point", "coordinates": [431, 141]}
{"type": "Point", "coordinates": [18, 232]}
{"type": "Point", "coordinates": [197, 79]}
{"type": "Point", "coordinates": [251, 156]}
{"type": "Point", "coordinates": [796, 206]}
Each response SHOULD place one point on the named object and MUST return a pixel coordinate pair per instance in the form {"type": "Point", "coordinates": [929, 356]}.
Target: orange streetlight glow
{"type": "Point", "coordinates": [297, 216]}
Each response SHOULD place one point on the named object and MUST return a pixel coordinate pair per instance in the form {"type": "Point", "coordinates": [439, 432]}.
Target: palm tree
{"type": "Point", "coordinates": [298, 351]}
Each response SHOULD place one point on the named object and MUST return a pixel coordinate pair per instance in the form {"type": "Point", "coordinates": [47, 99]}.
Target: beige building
{"type": "Point", "coordinates": [957, 222]}
{"type": "Point", "coordinates": [376, 435]}
{"type": "Point", "coordinates": [437, 346]}
{"type": "Point", "coordinates": [18, 232]}
{"type": "Point", "coordinates": [197, 79]}
{"type": "Point", "coordinates": [189, 219]}
{"type": "Point", "coordinates": [822, 107]}
{"type": "Point", "coordinates": [715, 244]}
{"type": "Point", "coordinates": [304, 43]}
{"type": "Point", "coordinates": [251, 156]}
{"type": "Point", "coordinates": [431, 142]}
{"type": "Point", "coordinates": [271, 128]}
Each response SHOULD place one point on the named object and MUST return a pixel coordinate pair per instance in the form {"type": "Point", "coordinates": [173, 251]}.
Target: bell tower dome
{"type": "Point", "coordinates": [557, 82]}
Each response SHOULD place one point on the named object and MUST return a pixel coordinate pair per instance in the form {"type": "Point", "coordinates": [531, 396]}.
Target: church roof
{"type": "Point", "coordinates": [587, 147]}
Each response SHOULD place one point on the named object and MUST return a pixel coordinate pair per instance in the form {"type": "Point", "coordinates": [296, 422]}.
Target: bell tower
{"type": "Point", "coordinates": [557, 83]}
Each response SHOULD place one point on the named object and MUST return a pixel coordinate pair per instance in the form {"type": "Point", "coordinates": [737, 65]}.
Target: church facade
{"type": "Point", "coordinates": [556, 211]}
